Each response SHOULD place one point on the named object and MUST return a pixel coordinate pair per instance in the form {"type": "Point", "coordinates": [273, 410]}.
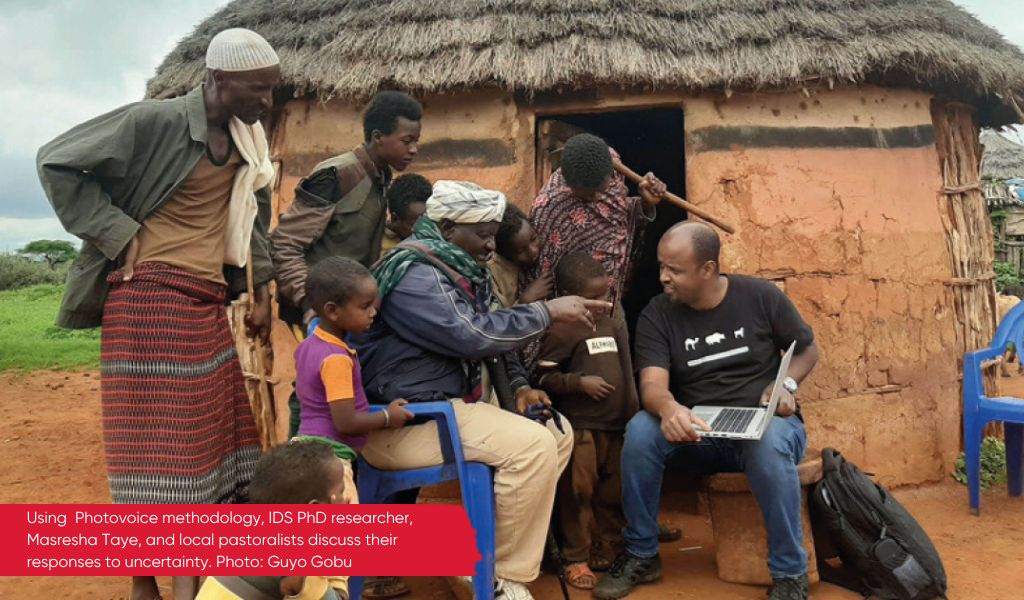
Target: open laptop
{"type": "Point", "coordinates": [744, 423]}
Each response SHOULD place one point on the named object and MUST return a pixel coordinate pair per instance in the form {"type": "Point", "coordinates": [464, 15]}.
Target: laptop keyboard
{"type": "Point", "coordinates": [733, 420]}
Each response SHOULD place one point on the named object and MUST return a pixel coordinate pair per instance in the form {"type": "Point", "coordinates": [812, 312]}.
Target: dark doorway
{"type": "Point", "coordinates": [647, 141]}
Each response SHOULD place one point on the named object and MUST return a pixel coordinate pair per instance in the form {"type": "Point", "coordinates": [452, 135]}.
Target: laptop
{"type": "Point", "coordinates": [744, 423]}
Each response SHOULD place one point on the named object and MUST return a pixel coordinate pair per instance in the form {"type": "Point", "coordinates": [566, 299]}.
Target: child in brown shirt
{"type": "Point", "coordinates": [589, 376]}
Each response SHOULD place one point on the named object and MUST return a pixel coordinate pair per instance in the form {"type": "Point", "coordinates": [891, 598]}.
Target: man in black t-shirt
{"type": "Point", "coordinates": [713, 339]}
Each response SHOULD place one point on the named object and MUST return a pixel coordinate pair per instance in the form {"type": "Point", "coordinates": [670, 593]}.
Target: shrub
{"type": "Point", "coordinates": [993, 464]}
{"type": "Point", "coordinates": [1006, 275]}
{"type": "Point", "coordinates": [18, 272]}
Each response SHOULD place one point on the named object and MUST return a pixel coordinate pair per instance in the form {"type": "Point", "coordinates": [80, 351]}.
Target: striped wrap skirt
{"type": "Point", "coordinates": [177, 426]}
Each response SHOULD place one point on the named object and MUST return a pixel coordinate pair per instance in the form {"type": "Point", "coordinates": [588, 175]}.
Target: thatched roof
{"type": "Point", "coordinates": [1003, 159]}
{"type": "Point", "coordinates": [350, 48]}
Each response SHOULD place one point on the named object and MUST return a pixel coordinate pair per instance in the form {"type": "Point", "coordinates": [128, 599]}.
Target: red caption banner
{"type": "Point", "coordinates": [267, 539]}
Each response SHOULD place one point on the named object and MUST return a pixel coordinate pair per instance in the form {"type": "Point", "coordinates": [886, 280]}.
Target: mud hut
{"type": "Point", "coordinates": [840, 138]}
{"type": "Point", "coordinates": [1002, 175]}
{"type": "Point", "coordinates": [1003, 159]}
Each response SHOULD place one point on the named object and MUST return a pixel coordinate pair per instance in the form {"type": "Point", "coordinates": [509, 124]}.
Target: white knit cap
{"type": "Point", "coordinates": [239, 50]}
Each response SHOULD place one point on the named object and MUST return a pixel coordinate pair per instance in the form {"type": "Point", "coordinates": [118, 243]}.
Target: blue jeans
{"type": "Point", "coordinates": [770, 464]}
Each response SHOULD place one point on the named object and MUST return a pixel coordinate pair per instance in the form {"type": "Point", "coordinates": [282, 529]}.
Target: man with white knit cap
{"type": "Point", "coordinates": [172, 200]}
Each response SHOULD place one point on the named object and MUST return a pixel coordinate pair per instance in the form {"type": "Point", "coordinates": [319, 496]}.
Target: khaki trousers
{"type": "Point", "coordinates": [527, 458]}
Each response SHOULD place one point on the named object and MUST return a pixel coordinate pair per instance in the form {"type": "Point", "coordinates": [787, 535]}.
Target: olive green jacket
{"type": "Point", "coordinates": [106, 176]}
{"type": "Point", "coordinates": [339, 210]}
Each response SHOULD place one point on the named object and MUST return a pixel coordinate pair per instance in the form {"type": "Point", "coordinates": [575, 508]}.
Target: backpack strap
{"type": "Point", "coordinates": [831, 460]}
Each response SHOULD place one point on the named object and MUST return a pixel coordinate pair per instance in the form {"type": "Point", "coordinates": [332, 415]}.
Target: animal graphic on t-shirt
{"type": "Point", "coordinates": [714, 338]}
{"type": "Point", "coordinates": [738, 333]}
{"type": "Point", "coordinates": [691, 343]}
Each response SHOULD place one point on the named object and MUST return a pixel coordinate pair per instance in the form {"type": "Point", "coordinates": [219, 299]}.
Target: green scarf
{"type": "Point", "coordinates": [432, 249]}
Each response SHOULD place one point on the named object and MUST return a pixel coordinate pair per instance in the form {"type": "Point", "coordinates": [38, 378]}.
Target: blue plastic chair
{"type": "Point", "coordinates": [979, 410]}
{"type": "Point", "coordinates": [377, 487]}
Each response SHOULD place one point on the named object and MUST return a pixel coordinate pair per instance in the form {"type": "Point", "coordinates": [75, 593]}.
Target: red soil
{"type": "Point", "coordinates": [51, 451]}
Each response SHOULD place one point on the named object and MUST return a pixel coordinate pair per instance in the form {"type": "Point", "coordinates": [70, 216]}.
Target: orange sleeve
{"type": "Point", "coordinates": [336, 373]}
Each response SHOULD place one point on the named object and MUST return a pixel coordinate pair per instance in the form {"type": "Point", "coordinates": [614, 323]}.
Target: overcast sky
{"type": "Point", "coordinates": [65, 61]}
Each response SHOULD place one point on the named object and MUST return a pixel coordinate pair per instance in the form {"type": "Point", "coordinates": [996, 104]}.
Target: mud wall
{"type": "Point", "coordinates": [835, 198]}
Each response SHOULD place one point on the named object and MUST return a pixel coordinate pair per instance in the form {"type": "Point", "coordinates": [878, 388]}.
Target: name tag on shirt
{"type": "Point", "coordinates": [601, 345]}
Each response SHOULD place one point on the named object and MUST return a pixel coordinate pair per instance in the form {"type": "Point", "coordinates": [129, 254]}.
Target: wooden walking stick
{"type": "Point", "coordinates": [257, 363]}
{"type": "Point", "coordinates": [264, 365]}
{"type": "Point", "coordinates": [700, 212]}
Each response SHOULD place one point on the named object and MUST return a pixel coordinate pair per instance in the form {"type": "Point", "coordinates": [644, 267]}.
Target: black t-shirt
{"type": "Point", "coordinates": [725, 356]}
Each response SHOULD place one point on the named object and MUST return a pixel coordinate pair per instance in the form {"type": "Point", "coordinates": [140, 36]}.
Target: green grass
{"type": "Point", "coordinates": [29, 340]}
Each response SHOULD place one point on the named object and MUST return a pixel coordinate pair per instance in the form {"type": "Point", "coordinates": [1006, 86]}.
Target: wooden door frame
{"type": "Point", "coordinates": [543, 114]}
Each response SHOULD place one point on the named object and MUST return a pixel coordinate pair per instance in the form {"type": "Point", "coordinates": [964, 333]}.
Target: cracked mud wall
{"type": "Point", "coordinates": [835, 197]}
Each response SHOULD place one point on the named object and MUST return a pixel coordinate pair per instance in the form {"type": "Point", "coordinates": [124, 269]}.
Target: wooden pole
{"type": "Point", "coordinates": [689, 207]}
{"type": "Point", "coordinates": [264, 410]}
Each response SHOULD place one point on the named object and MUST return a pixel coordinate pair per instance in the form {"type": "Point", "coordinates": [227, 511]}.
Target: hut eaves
{"type": "Point", "coordinates": [1003, 159]}
{"type": "Point", "coordinates": [351, 48]}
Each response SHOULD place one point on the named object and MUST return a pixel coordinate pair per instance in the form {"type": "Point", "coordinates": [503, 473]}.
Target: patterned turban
{"type": "Point", "coordinates": [465, 202]}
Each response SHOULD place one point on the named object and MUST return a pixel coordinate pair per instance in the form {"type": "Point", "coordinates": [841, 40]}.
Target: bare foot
{"type": "Point", "coordinates": [185, 587]}
{"type": "Point", "coordinates": [144, 588]}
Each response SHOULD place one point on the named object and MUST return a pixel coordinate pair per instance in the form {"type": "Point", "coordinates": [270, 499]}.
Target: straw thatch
{"type": "Point", "coordinates": [1003, 159]}
{"type": "Point", "coordinates": [350, 48]}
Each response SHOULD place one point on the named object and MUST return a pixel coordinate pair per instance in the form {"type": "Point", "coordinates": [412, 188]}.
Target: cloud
{"type": "Point", "coordinates": [22, 195]}
{"type": "Point", "coordinates": [15, 233]}
{"type": "Point", "coordinates": [63, 62]}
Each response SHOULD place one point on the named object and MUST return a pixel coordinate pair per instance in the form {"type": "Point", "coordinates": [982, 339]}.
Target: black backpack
{"type": "Point", "coordinates": [866, 541]}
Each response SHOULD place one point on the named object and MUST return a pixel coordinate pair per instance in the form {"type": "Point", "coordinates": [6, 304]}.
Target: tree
{"type": "Point", "coordinates": [54, 251]}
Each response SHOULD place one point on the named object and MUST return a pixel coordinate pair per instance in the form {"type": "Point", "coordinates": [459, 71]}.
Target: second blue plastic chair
{"type": "Point", "coordinates": [980, 410]}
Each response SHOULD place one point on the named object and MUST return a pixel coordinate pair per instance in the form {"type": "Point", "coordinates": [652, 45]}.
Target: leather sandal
{"type": "Point", "coordinates": [579, 576]}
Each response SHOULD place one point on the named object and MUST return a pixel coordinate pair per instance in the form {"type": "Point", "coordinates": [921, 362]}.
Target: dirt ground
{"type": "Point", "coordinates": [51, 451]}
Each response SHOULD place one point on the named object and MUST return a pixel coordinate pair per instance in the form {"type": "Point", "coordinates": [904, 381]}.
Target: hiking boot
{"type": "Point", "coordinates": [788, 589]}
{"type": "Point", "coordinates": [511, 590]}
{"type": "Point", "coordinates": [626, 572]}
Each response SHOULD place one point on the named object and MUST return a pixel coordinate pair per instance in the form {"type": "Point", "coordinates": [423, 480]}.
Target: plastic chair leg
{"type": "Point", "coordinates": [355, 588]}
{"type": "Point", "coordinates": [478, 498]}
{"type": "Point", "coordinates": [369, 483]}
{"type": "Point", "coordinates": [1015, 458]}
{"type": "Point", "coordinates": [972, 455]}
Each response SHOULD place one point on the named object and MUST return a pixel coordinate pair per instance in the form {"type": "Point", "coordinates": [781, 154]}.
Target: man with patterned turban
{"type": "Point", "coordinates": [435, 338]}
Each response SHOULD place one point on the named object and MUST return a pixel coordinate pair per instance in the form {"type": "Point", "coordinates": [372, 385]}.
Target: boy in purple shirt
{"type": "Point", "coordinates": [329, 382]}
